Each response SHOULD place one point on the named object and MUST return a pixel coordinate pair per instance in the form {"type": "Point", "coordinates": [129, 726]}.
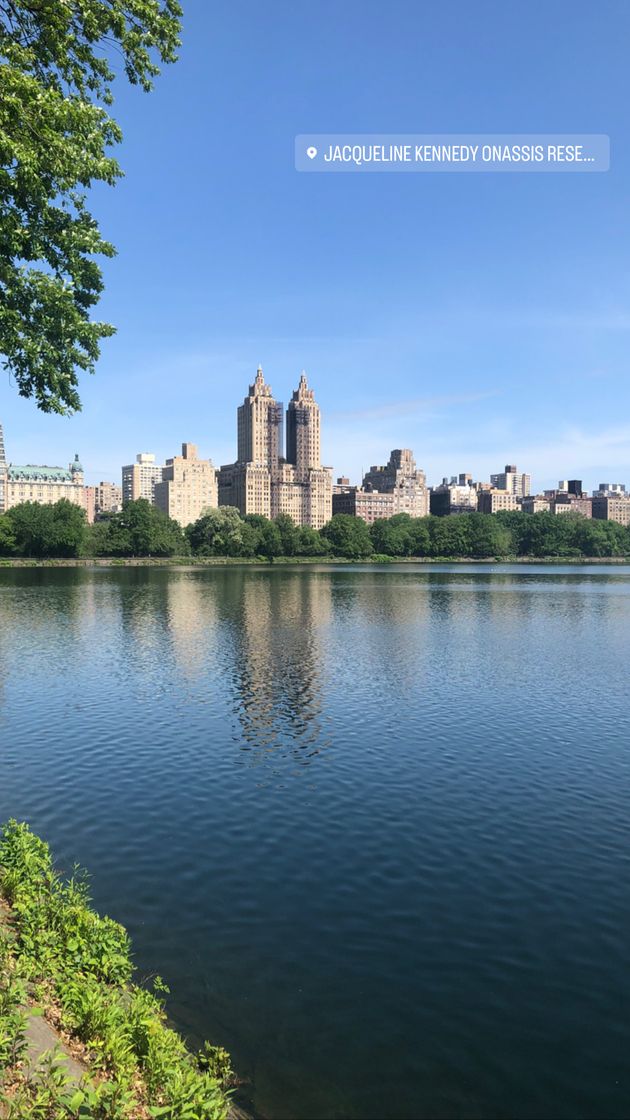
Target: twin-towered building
{"type": "Point", "coordinates": [264, 480]}
{"type": "Point", "coordinates": [270, 479]}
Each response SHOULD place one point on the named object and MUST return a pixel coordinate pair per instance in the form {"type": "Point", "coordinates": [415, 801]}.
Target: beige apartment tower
{"type": "Point", "coordinates": [246, 483]}
{"type": "Point", "coordinates": [139, 479]}
{"type": "Point", "coordinates": [259, 423]}
{"type": "Point", "coordinates": [401, 477]}
{"type": "Point", "coordinates": [188, 486]}
{"type": "Point", "coordinates": [303, 430]}
{"type": "Point", "coordinates": [304, 488]}
{"type": "Point", "coordinates": [263, 481]}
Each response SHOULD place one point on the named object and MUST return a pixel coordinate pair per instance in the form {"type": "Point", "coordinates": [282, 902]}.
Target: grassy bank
{"type": "Point", "coordinates": [59, 957]}
{"type": "Point", "coordinates": [279, 561]}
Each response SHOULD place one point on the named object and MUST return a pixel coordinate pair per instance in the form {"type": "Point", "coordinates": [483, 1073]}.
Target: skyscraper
{"type": "Point", "coordinates": [259, 425]}
{"type": "Point", "coordinates": [303, 429]}
{"type": "Point", "coordinates": [303, 489]}
{"type": "Point", "coordinates": [246, 483]}
{"type": "Point", "coordinates": [262, 481]}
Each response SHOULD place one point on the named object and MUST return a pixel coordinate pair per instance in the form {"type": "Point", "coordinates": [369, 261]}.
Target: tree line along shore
{"type": "Point", "coordinates": [139, 530]}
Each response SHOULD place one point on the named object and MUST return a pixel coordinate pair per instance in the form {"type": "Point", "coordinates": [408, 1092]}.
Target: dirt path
{"type": "Point", "coordinates": [41, 1036]}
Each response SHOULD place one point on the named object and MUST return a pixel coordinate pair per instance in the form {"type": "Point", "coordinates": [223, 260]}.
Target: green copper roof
{"type": "Point", "coordinates": [76, 466]}
{"type": "Point", "coordinates": [35, 473]}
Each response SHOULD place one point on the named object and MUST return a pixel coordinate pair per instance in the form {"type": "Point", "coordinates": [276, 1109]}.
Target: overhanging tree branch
{"type": "Point", "coordinates": [55, 138]}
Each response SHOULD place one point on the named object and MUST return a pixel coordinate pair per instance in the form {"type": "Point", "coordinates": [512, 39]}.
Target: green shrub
{"type": "Point", "coordinates": [84, 961]}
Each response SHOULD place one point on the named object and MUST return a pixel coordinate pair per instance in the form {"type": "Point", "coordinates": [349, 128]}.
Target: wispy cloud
{"type": "Point", "coordinates": [408, 408]}
{"type": "Point", "coordinates": [484, 448]}
{"type": "Point", "coordinates": [572, 453]}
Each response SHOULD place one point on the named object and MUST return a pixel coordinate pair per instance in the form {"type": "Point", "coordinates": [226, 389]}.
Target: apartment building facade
{"type": "Point", "coordinates": [139, 479]}
{"type": "Point", "coordinates": [188, 486]}
{"type": "Point", "coordinates": [264, 481]}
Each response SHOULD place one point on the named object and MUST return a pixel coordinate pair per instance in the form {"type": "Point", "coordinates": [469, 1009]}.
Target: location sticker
{"type": "Point", "coordinates": [452, 152]}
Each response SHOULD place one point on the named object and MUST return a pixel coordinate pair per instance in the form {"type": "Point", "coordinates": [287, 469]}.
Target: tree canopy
{"type": "Point", "coordinates": [55, 139]}
{"type": "Point", "coordinates": [38, 530]}
{"type": "Point", "coordinates": [348, 536]}
{"type": "Point", "coordinates": [140, 529]}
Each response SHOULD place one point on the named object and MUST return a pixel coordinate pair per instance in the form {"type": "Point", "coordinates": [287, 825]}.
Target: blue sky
{"type": "Point", "coordinates": [479, 319]}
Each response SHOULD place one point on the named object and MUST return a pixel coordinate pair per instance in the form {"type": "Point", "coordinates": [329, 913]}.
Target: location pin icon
{"type": "Point", "coordinates": [311, 152]}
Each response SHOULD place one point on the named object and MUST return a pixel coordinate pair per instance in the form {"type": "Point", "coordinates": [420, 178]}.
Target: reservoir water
{"type": "Point", "coordinates": [370, 824]}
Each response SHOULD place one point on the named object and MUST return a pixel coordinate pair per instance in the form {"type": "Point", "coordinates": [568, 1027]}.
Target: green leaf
{"type": "Point", "coordinates": [55, 141]}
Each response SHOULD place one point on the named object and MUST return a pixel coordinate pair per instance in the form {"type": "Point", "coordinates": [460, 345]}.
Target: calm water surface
{"type": "Point", "coordinates": [370, 824]}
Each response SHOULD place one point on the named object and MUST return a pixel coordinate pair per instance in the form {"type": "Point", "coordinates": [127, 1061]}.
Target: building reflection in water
{"type": "Point", "coordinates": [49, 609]}
{"type": "Point", "coordinates": [191, 617]}
{"type": "Point", "coordinates": [241, 640]}
{"type": "Point", "coordinates": [276, 625]}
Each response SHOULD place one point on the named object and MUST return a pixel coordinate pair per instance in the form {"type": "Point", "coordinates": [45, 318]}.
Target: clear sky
{"type": "Point", "coordinates": [478, 319]}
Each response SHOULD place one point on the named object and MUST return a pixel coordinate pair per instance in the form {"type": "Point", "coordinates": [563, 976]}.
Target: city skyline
{"type": "Point", "coordinates": [354, 438]}
{"type": "Point", "coordinates": [270, 477]}
{"type": "Point", "coordinates": [314, 559]}
{"type": "Point", "coordinates": [369, 456]}
{"type": "Point", "coordinates": [480, 320]}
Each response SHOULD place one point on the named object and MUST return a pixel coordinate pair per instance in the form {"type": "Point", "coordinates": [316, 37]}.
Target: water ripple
{"type": "Point", "coordinates": [371, 824]}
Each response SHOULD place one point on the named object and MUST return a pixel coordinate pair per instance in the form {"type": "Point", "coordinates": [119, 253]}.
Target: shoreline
{"type": "Point", "coordinates": [302, 561]}
{"type": "Point", "coordinates": [73, 995]}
